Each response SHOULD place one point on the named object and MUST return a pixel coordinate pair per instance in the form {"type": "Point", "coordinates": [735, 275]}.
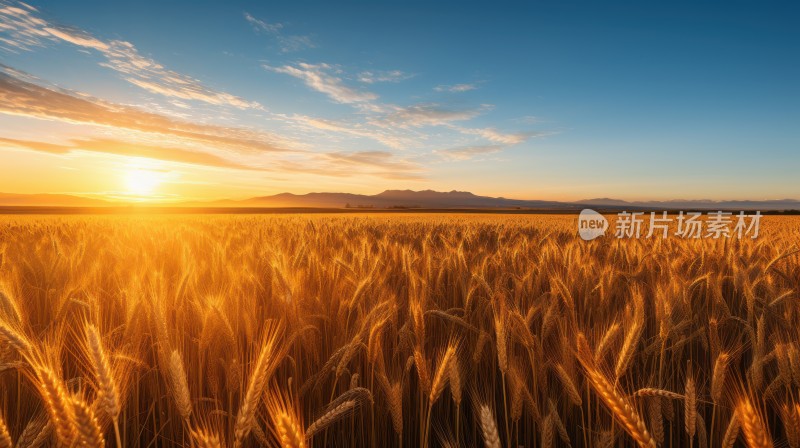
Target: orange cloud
{"type": "Point", "coordinates": [122, 148]}
{"type": "Point", "coordinates": [20, 97]}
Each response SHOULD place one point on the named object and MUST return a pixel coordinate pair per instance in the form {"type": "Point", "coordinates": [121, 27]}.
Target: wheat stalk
{"type": "Point", "coordinates": [264, 366]}
{"type": "Point", "coordinates": [620, 408]}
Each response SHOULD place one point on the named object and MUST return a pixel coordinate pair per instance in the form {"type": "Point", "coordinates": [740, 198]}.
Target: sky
{"type": "Point", "coordinates": [193, 100]}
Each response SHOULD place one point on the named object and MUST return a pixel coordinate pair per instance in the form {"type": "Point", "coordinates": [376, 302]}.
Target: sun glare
{"type": "Point", "coordinates": [142, 182]}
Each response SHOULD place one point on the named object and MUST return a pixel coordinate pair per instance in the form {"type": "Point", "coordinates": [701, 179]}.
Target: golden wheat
{"type": "Point", "coordinates": [219, 331]}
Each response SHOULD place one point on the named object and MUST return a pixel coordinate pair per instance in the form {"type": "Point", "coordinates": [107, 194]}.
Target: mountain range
{"type": "Point", "coordinates": [406, 199]}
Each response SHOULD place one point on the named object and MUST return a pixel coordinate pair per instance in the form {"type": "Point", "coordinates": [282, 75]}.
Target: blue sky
{"type": "Point", "coordinates": [567, 100]}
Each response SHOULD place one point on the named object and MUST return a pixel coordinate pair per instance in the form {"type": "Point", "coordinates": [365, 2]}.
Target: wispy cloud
{"type": "Point", "coordinates": [324, 78]}
{"type": "Point", "coordinates": [456, 88]}
{"type": "Point", "coordinates": [432, 114]}
{"type": "Point", "coordinates": [131, 149]}
{"type": "Point", "coordinates": [260, 25]}
{"type": "Point", "coordinates": [357, 130]}
{"type": "Point", "coordinates": [411, 133]}
{"type": "Point", "coordinates": [22, 29]}
{"type": "Point", "coordinates": [286, 42]}
{"type": "Point", "coordinates": [382, 160]}
{"type": "Point", "coordinates": [372, 77]}
{"type": "Point", "coordinates": [252, 150]}
{"type": "Point", "coordinates": [469, 152]}
{"type": "Point", "coordinates": [493, 135]}
{"type": "Point", "coordinates": [21, 97]}
{"type": "Point", "coordinates": [77, 37]}
{"type": "Point", "coordinates": [381, 164]}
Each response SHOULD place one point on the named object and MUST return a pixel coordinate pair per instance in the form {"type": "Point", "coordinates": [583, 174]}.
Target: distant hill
{"type": "Point", "coordinates": [407, 199]}
{"type": "Point", "coordinates": [701, 204]}
{"type": "Point", "coordinates": [50, 200]}
{"type": "Point", "coordinates": [392, 199]}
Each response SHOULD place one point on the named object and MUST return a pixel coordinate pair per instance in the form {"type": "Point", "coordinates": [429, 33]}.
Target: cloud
{"type": "Point", "coordinates": [77, 37]}
{"type": "Point", "coordinates": [496, 136]}
{"type": "Point", "coordinates": [124, 148]}
{"type": "Point", "coordinates": [287, 43]}
{"type": "Point", "coordinates": [25, 31]}
{"type": "Point", "coordinates": [322, 78]}
{"type": "Point", "coordinates": [355, 130]}
{"type": "Point", "coordinates": [51, 148]}
{"type": "Point", "coordinates": [468, 152]}
{"type": "Point", "coordinates": [21, 97]}
{"type": "Point", "coordinates": [375, 159]}
{"type": "Point", "coordinates": [260, 25]}
{"type": "Point", "coordinates": [372, 77]}
{"type": "Point", "coordinates": [380, 164]}
{"type": "Point", "coordinates": [456, 88]}
{"type": "Point", "coordinates": [419, 115]}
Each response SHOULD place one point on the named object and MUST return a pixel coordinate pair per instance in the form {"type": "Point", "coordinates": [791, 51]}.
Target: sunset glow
{"type": "Point", "coordinates": [289, 102]}
{"type": "Point", "coordinates": [399, 224]}
{"type": "Point", "coordinates": [141, 182]}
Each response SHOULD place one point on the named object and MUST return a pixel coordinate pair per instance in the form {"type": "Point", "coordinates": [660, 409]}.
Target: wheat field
{"type": "Point", "coordinates": [393, 330]}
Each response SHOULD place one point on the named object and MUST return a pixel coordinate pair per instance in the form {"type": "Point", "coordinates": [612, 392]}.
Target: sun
{"type": "Point", "coordinates": [142, 182]}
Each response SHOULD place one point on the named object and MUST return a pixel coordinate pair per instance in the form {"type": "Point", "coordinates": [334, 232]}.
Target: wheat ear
{"type": "Point", "coordinates": [35, 433]}
{"type": "Point", "coordinates": [620, 408]}
{"type": "Point", "coordinates": [731, 433]}
{"type": "Point", "coordinates": [15, 339]}
{"type": "Point", "coordinates": [491, 438]}
{"type": "Point", "coordinates": [690, 407]}
{"type": "Point", "coordinates": [441, 376]}
{"type": "Point", "coordinates": [180, 387]}
{"type": "Point", "coordinates": [753, 428]}
{"type": "Point", "coordinates": [265, 364]}
{"type": "Point", "coordinates": [569, 385]}
{"type": "Point", "coordinates": [5, 436]}
{"type": "Point", "coordinates": [108, 394]}
{"type": "Point", "coordinates": [89, 433]}
{"type": "Point", "coordinates": [204, 438]}
{"type": "Point", "coordinates": [330, 417]}
{"type": "Point", "coordinates": [58, 405]}
{"type": "Point", "coordinates": [660, 393]}
{"type": "Point", "coordinates": [718, 377]}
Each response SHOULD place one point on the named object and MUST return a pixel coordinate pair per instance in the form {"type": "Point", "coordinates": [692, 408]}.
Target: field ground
{"type": "Point", "coordinates": [393, 330]}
